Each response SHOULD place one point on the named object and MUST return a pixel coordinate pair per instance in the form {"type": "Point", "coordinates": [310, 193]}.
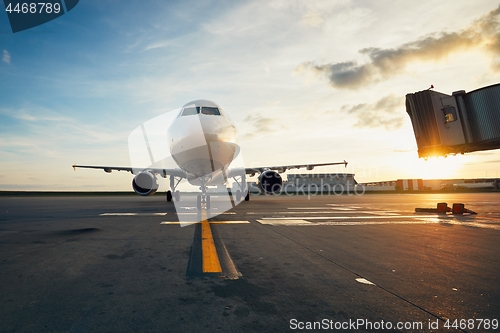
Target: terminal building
{"type": "Point", "coordinates": [434, 184]}
{"type": "Point", "coordinates": [321, 181]}
{"type": "Point", "coordinates": [344, 183]}
{"type": "Point", "coordinates": [334, 183]}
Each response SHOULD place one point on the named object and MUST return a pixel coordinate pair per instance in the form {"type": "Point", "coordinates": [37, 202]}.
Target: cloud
{"type": "Point", "coordinates": [6, 57]}
{"type": "Point", "coordinates": [260, 125]}
{"type": "Point", "coordinates": [51, 125]}
{"type": "Point", "coordinates": [383, 113]}
{"type": "Point", "coordinates": [483, 33]}
{"type": "Point", "coordinates": [312, 19]}
{"type": "Point", "coordinates": [491, 161]}
{"type": "Point", "coordinates": [404, 150]}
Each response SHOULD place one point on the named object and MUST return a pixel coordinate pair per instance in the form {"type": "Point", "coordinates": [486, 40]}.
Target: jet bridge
{"type": "Point", "coordinates": [455, 124]}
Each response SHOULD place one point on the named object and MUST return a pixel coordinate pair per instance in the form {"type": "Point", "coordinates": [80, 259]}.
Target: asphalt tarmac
{"type": "Point", "coordinates": [364, 263]}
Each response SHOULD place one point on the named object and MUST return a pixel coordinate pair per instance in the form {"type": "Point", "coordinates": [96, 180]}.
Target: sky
{"type": "Point", "coordinates": [304, 82]}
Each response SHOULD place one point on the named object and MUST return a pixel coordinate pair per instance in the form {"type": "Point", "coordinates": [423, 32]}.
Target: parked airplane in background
{"type": "Point", "coordinates": [208, 163]}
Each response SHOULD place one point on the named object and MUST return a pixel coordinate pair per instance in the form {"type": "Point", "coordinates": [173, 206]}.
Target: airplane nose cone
{"type": "Point", "coordinates": [204, 143]}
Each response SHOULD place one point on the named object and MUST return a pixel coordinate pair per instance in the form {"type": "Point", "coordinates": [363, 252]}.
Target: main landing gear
{"type": "Point", "coordinates": [238, 196]}
{"type": "Point", "coordinates": [203, 200]}
{"type": "Point", "coordinates": [242, 184]}
{"type": "Point", "coordinates": [176, 195]}
{"type": "Point", "coordinates": [172, 193]}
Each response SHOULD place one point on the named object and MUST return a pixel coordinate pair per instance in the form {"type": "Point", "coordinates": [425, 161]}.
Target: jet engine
{"type": "Point", "coordinates": [145, 183]}
{"type": "Point", "coordinates": [270, 182]}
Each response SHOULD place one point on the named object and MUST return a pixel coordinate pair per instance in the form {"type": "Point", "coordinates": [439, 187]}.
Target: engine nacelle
{"type": "Point", "coordinates": [145, 183]}
{"type": "Point", "coordinates": [270, 182]}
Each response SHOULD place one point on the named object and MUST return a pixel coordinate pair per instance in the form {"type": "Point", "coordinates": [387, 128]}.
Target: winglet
{"type": "Point", "coordinates": [345, 163]}
{"type": "Point", "coordinates": [74, 167]}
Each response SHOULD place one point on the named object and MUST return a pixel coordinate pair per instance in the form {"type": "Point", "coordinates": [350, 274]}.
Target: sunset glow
{"type": "Point", "coordinates": [303, 81]}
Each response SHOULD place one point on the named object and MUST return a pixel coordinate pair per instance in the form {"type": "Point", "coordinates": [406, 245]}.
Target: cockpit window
{"type": "Point", "coordinates": [210, 111]}
{"type": "Point", "coordinates": [189, 111]}
{"type": "Point", "coordinates": [192, 110]}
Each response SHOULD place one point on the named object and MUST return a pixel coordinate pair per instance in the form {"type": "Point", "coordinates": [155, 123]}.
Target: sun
{"type": "Point", "coordinates": [438, 167]}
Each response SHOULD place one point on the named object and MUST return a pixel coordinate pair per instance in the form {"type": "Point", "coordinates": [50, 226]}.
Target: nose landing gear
{"type": "Point", "coordinates": [203, 201]}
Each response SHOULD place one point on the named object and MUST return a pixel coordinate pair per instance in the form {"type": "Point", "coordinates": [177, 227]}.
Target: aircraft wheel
{"type": "Point", "coordinates": [177, 196]}
{"type": "Point", "coordinates": [247, 197]}
{"type": "Point", "coordinates": [169, 196]}
{"type": "Point", "coordinates": [198, 202]}
{"type": "Point", "coordinates": [207, 201]}
{"type": "Point", "coordinates": [238, 196]}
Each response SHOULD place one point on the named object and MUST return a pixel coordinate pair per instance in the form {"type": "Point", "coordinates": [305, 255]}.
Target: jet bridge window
{"type": "Point", "coordinates": [189, 111]}
{"type": "Point", "coordinates": [450, 114]}
{"type": "Point", "coordinates": [210, 111]}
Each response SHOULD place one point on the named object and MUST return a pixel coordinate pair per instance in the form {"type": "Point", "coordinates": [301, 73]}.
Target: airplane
{"type": "Point", "coordinates": [206, 164]}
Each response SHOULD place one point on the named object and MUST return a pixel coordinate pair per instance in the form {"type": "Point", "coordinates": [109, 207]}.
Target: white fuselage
{"type": "Point", "coordinates": [203, 146]}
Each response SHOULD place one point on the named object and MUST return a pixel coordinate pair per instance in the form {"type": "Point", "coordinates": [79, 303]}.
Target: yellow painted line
{"type": "Point", "coordinates": [210, 259]}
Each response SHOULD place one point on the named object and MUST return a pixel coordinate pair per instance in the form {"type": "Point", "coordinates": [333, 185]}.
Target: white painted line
{"type": "Point", "coordinates": [190, 209]}
{"type": "Point", "coordinates": [365, 281]}
{"type": "Point", "coordinates": [293, 221]}
{"type": "Point", "coordinates": [288, 213]}
{"type": "Point", "coordinates": [280, 222]}
{"type": "Point", "coordinates": [211, 222]}
{"type": "Point", "coordinates": [352, 217]}
{"type": "Point", "coordinates": [307, 208]}
{"type": "Point", "coordinates": [194, 213]}
{"type": "Point", "coordinates": [175, 222]}
{"type": "Point", "coordinates": [133, 214]}
{"type": "Point", "coordinates": [479, 223]}
{"type": "Point", "coordinates": [229, 222]}
{"type": "Point", "coordinates": [338, 206]}
{"type": "Point", "coordinates": [287, 222]}
{"type": "Point", "coordinates": [382, 213]}
{"type": "Point", "coordinates": [327, 212]}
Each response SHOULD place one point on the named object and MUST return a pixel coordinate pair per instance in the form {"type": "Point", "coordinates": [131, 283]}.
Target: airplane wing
{"type": "Point", "coordinates": [109, 169]}
{"type": "Point", "coordinates": [283, 168]}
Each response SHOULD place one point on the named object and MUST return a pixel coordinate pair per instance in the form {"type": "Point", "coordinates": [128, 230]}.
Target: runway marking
{"type": "Point", "coordinates": [280, 222]}
{"type": "Point", "coordinates": [350, 217]}
{"type": "Point", "coordinates": [307, 208]}
{"type": "Point", "coordinates": [287, 222]}
{"type": "Point", "coordinates": [379, 220]}
{"type": "Point", "coordinates": [330, 212]}
{"type": "Point", "coordinates": [365, 281]}
{"type": "Point", "coordinates": [338, 206]}
{"type": "Point", "coordinates": [133, 214]}
{"type": "Point", "coordinates": [283, 222]}
{"type": "Point", "coordinates": [484, 225]}
{"type": "Point", "coordinates": [194, 213]}
{"type": "Point", "coordinates": [210, 259]}
{"type": "Point", "coordinates": [210, 222]}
